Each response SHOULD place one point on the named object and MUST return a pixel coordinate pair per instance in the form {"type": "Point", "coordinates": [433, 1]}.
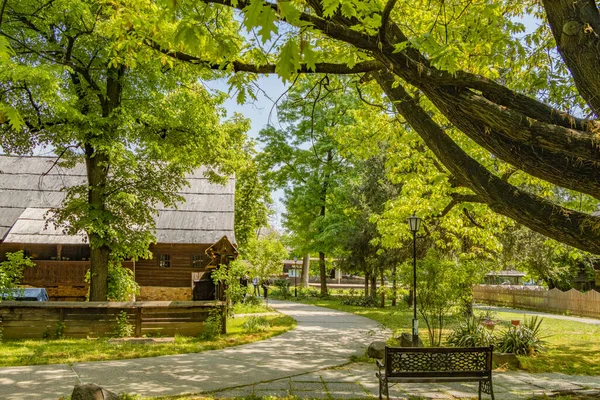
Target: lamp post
{"type": "Point", "coordinates": [414, 223]}
{"type": "Point", "coordinates": [295, 277]}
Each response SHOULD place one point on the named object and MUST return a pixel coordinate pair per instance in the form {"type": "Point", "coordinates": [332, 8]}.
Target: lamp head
{"type": "Point", "coordinates": [414, 223]}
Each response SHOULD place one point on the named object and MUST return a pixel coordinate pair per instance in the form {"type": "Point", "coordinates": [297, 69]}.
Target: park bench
{"type": "Point", "coordinates": [436, 364]}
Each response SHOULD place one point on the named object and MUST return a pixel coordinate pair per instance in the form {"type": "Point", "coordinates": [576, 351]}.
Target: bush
{"type": "Point", "coordinates": [212, 326]}
{"type": "Point", "coordinates": [256, 324]}
{"type": "Point", "coordinates": [11, 273]}
{"type": "Point", "coordinates": [123, 327]}
{"type": "Point", "coordinates": [470, 333]}
{"type": "Point", "coordinates": [253, 301]}
{"type": "Point", "coordinates": [284, 287]}
{"type": "Point", "coordinates": [363, 301]}
{"type": "Point", "coordinates": [523, 339]}
{"type": "Point", "coordinates": [121, 282]}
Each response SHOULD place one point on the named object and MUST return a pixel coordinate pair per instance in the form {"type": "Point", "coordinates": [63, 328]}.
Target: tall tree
{"type": "Point", "coordinates": [252, 197]}
{"type": "Point", "coordinates": [461, 70]}
{"type": "Point", "coordinates": [304, 158]}
{"type": "Point", "coordinates": [76, 77]}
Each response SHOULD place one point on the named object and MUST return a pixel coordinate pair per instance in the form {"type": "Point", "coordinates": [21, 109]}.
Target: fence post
{"type": "Point", "coordinates": [138, 322]}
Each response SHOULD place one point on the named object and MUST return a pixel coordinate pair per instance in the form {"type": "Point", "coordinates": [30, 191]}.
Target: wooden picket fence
{"type": "Point", "coordinates": [555, 301]}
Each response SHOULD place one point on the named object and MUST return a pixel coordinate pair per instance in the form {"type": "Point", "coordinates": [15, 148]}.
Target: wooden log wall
{"type": "Point", "coordinates": [33, 320]}
{"type": "Point", "coordinates": [555, 301]}
{"type": "Point", "coordinates": [150, 273]}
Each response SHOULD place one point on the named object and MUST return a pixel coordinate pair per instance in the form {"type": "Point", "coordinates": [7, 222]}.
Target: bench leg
{"type": "Point", "coordinates": [383, 388]}
{"type": "Point", "coordinates": [486, 387]}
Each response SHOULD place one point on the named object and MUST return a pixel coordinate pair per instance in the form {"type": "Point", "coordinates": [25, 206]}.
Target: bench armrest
{"type": "Point", "coordinates": [380, 365]}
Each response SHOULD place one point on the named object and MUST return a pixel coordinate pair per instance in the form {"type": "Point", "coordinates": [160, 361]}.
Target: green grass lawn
{"type": "Point", "coordinates": [572, 347]}
{"type": "Point", "coordinates": [247, 308]}
{"type": "Point", "coordinates": [65, 351]}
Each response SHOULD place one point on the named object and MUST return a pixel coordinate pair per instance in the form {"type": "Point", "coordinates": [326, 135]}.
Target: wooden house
{"type": "Point", "coordinates": [191, 239]}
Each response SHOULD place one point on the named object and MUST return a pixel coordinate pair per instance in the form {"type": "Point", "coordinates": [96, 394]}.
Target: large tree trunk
{"type": "Point", "coordinates": [99, 257]}
{"type": "Point", "coordinates": [97, 167]}
{"type": "Point", "coordinates": [305, 270]}
{"type": "Point", "coordinates": [97, 174]}
{"type": "Point", "coordinates": [373, 285]}
{"type": "Point", "coordinates": [366, 284]}
{"type": "Point", "coordinates": [323, 273]}
{"type": "Point", "coordinates": [575, 26]}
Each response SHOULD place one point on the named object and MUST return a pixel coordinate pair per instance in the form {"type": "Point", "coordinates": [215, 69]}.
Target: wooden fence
{"type": "Point", "coordinates": [21, 320]}
{"type": "Point", "coordinates": [555, 301]}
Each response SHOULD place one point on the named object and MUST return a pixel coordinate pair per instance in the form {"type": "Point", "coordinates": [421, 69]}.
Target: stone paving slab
{"type": "Point", "coordinates": [39, 382]}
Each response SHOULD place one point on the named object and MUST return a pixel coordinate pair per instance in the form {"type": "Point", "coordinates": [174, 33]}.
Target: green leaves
{"type": "Point", "coordinates": [288, 62]}
{"type": "Point", "coordinates": [12, 116]}
{"type": "Point", "coordinates": [257, 14]}
{"type": "Point", "coordinates": [11, 273]}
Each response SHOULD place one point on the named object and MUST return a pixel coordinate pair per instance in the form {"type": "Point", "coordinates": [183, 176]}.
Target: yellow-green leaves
{"type": "Point", "coordinates": [289, 60]}
{"type": "Point", "coordinates": [11, 115]}
{"type": "Point", "coordinates": [257, 14]}
{"type": "Point", "coordinates": [289, 12]}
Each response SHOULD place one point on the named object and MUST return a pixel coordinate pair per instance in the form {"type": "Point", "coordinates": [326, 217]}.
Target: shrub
{"type": "Point", "coordinates": [231, 275]}
{"type": "Point", "coordinates": [253, 301]}
{"type": "Point", "coordinates": [284, 287]}
{"type": "Point", "coordinates": [123, 327]}
{"type": "Point", "coordinates": [59, 332]}
{"type": "Point", "coordinates": [470, 333]}
{"type": "Point", "coordinates": [212, 326]}
{"type": "Point", "coordinates": [363, 301]}
{"type": "Point", "coordinates": [523, 339]}
{"type": "Point", "coordinates": [256, 324]}
{"type": "Point", "coordinates": [11, 273]}
{"type": "Point", "coordinates": [121, 282]}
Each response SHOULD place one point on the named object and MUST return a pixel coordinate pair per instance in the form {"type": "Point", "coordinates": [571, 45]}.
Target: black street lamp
{"type": "Point", "coordinates": [414, 223]}
{"type": "Point", "coordinates": [295, 277]}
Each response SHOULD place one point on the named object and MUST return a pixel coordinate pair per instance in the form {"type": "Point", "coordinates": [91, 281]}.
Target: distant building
{"type": "Point", "coordinates": [507, 277]}
{"type": "Point", "coordinates": [190, 239]}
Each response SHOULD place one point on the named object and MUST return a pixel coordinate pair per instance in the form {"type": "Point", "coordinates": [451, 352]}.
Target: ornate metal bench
{"type": "Point", "coordinates": [436, 364]}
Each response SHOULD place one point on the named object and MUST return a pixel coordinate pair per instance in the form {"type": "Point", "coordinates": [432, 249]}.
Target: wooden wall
{"type": "Point", "coordinates": [54, 274]}
{"type": "Point", "coordinates": [149, 272]}
{"type": "Point", "coordinates": [24, 320]}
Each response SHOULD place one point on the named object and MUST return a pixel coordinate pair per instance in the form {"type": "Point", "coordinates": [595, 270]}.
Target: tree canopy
{"type": "Point", "coordinates": [76, 78]}
{"type": "Point", "coordinates": [467, 78]}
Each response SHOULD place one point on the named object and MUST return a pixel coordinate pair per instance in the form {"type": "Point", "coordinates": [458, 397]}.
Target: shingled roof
{"type": "Point", "coordinates": [30, 187]}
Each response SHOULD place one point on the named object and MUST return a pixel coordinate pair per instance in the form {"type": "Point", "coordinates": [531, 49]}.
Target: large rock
{"type": "Point", "coordinates": [90, 391]}
{"type": "Point", "coordinates": [376, 350]}
{"type": "Point", "coordinates": [509, 359]}
{"type": "Point", "coordinates": [406, 340]}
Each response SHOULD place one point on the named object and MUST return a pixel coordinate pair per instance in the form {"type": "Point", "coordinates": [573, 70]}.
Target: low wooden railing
{"type": "Point", "coordinates": [21, 320]}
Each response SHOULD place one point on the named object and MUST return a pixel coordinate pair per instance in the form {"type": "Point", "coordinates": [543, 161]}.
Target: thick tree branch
{"type": "Point", "coordinates": [239, 66]}
{"type": "Point", "coordinates": [575, 26]}
{"type": "Point", "coordinates": [568, 226]}
{"type": "Point", "coordinates": [385, 17]}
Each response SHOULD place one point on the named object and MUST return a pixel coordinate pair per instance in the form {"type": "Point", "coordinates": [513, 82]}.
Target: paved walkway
{"type": "Point", "coordinates": [311, 361]}
{"type": "Point", "coordinates": [592, 321]}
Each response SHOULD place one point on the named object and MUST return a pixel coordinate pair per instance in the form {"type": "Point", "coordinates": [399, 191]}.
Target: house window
{"type": "Point", "coordinates": [197, 261]}
{"type": "Point", "coordinates": [165, 261]}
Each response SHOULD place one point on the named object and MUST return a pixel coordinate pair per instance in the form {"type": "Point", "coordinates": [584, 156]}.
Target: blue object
{"type": "Point", "coordinates": [29, 294]}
